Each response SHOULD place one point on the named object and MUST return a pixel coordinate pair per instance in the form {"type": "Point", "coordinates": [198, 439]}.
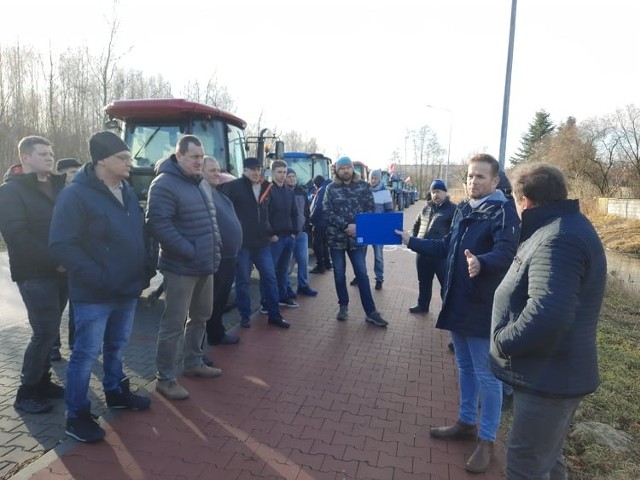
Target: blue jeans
{"type": "Point", "coordinates": [301, 254]}
{"type": "Point", "coordinates": [106, 325]}
{"type": "Point", "coordinates": [262, 259]}
{"type": "Point", "coordinates": [477, 382]}
{"type": "Point", "coordinates": [281, 251]}
{"type": "Point", "coordinates": [378, 262]}
{"type": "Point", "coordinates": [539, 428]}
{"type": "Point", "coordinates": [45, 300]}
{"type": "Point", "coordinates": [359, 264]}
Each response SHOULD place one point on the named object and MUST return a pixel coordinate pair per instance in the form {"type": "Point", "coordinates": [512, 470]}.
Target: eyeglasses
{"type": "Point", "coordinates": [124, 157]}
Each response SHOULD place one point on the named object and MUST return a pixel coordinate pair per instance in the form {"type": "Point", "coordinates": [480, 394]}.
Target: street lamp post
{"type": "Point", "coordinates": [450, 112]}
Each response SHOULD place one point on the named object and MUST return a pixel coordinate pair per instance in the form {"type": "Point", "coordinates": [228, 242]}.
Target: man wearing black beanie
{"type": "Point", "coordinates": [97, 233]}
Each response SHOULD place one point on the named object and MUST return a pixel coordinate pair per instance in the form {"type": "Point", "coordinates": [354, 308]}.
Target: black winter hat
{"type": "Point", "coordinates": [65, 163]}
{"type": "Point", "coordinates": [104, 144]}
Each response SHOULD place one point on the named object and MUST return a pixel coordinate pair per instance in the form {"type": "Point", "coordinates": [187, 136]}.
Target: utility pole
{"type": "Point", "coordinates": [507, 87]}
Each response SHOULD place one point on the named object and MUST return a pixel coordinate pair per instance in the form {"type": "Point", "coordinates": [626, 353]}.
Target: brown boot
{"type": "Point", "coordinates": [457, 431]}
{"type": "Point", "coordinates": [481, 457]}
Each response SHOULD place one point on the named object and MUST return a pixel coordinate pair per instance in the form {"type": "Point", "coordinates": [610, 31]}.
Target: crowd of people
{"type": "Point", "coordinates": [521, 277]}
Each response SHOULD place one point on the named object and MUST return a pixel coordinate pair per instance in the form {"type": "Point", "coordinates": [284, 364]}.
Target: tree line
{"type": "Point", "coordinates": [600, 156]}
{"type": "Point", "coordinates": [62, 97]}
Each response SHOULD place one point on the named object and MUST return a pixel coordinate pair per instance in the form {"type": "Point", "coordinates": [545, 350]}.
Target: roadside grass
{"type": "Point", "coordinates": [616, 402]}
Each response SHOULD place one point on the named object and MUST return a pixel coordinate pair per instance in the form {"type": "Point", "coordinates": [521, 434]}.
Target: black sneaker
{"type": "Point", "coordinates": [354, 282]}
{"type": "Point", "coordinates": [33, 405]}
{"type": "Point", "coordinates": [85, 428]}
{"type": "Point", "coordinates": [123, 398]}
{"type": "Point", "coordinates": [378, 285]}
{"type": "Point", "coordinates": [376, 319]}
{"type": "Point", "coordinates": [289, 302]}
{"type": "Point", "coordinates": [48, 389]}
{"type": "Point", "coordinates": [30, 400]}
{"type": "Point", "coordinates": [317, 269]}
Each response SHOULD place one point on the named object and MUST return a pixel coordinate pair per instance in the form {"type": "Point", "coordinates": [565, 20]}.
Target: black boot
{"type": "Point", "coordinates": [48, 389]}
{"type": "Point", "coordinates": [29, 399]}
{"type": "Point", "coordinates": [123, 398]}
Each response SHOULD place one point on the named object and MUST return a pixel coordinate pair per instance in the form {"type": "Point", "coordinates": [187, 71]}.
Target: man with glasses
{"type": "Point", "coordinates": [97, 233]}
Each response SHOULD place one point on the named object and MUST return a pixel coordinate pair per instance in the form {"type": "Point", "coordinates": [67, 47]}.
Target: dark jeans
{"type": "Point", "coordinates": [427, 267]}
{"type": "Point", "coordinates": [71, 330]}
{"type": "Point", "coordinates": [282, 251]}
{"type": "Point", "coordinates": [358, 262]}
{"type": "Point", "coordinates": [222, 283]}
{"type": "Point", "coordinates": [320, 247]}
{"type": "Point", "coordinates": [262, 259]}
{"type": "Point", "coordinates": [45, 300]}
{"type": "Point", "coordinates": [539, 428]}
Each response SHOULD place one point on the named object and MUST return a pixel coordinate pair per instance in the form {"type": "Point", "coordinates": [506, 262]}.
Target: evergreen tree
{"type": "Point", "coordinates": [538, 129]}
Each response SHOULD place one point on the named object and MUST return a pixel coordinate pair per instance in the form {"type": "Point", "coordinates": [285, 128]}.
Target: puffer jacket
{"type": "Point", "coordinates": [546, 310]}
{"type": "Point", "coordinates": [181, 217]}
{"type": "Point", "coordinates": [490, 231]}
{"type": "Point", "coordinates": [435, 220]}
{"type": "Point", "coordinates": [25, 221]}
{"type": "Point", "coordinates": [100, 241]}
{"type": "Point", "coordinates": [342, 202]}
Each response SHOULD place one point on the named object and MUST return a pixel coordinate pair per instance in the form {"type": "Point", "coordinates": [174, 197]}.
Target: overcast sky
{"type": "Point", "coordinates": [358, 74]}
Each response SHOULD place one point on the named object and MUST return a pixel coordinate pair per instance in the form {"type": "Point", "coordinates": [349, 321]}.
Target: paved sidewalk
{"type": "Point", "coordinates": [322, 400]}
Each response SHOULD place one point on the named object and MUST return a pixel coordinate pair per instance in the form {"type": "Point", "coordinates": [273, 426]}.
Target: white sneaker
{"type": "Point", "coordinates": [202, 371]}
{"type": "Point", "coordinates": [172, 390]}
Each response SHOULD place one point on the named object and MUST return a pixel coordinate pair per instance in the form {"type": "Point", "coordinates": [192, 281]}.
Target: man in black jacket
{"type": "Point", "coordinates": [250, 197]}
{"type": "Point", "coordinates": [433, 222]}
{"type": "Point", "coordinates": [544, 322]}
{"type": "Point", "coordinates": [27, 197]}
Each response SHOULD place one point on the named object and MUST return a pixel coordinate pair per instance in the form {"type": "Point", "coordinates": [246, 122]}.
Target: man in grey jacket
{"type": "Point", "coordinates": [182, 217]}
{"type": "Point", "coordinates": [544, 322]}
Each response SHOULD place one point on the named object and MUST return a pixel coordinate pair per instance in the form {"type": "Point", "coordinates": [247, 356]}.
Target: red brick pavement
{"type": "Point", "coordinates": [323, 400]}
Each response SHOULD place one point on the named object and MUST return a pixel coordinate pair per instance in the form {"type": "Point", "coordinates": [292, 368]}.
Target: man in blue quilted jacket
{"type": "Point", "coordinates": [544, 322]}
{"type": "Point", "coordinates": [181, 216]}
{"type": "Point", "coordinates": [97, 234]}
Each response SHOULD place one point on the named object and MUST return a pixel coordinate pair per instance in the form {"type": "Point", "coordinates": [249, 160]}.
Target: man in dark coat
{"type": "Point", "coordinates": [250, 197]}
{"type": "Point", "coordinates": [97, 233]}
{"type": "Point", "coordinates": [27, 197]}
{"type": "Point", "coordinates": [433, 222]}
{"type": "Point", "coordinates": [182, 217]}
{"type": "Point", "coordinates": [479, 249]}
{"type": "Point", "coordinates": [231, 236]}
{"type": "Point", "coordinates": [545, 318]}
{"type": "Point", "coordinates": [319, 223]}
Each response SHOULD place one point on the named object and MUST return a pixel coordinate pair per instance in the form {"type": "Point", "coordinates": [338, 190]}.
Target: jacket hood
{"type": "Point", "coordinates": [12, 171]}
{"type": "Point", "coordinates": [356, 177]}
{"type": "Point", "coordinates": [170, 166]}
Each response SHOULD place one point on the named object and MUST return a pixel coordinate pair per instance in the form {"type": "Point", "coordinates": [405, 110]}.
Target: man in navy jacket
{"type": "Point", "coordinates": [545, 317]}
{"type": "Point", "coordinates": [250, 195]}
{"type": "Point", "coordinates": [97, 233]}
{"type": "Point", "coordinates": [479, 249]}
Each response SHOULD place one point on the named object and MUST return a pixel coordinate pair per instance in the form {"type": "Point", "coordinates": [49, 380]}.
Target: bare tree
{"type": "Point", "coordinates": [628, 131]}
